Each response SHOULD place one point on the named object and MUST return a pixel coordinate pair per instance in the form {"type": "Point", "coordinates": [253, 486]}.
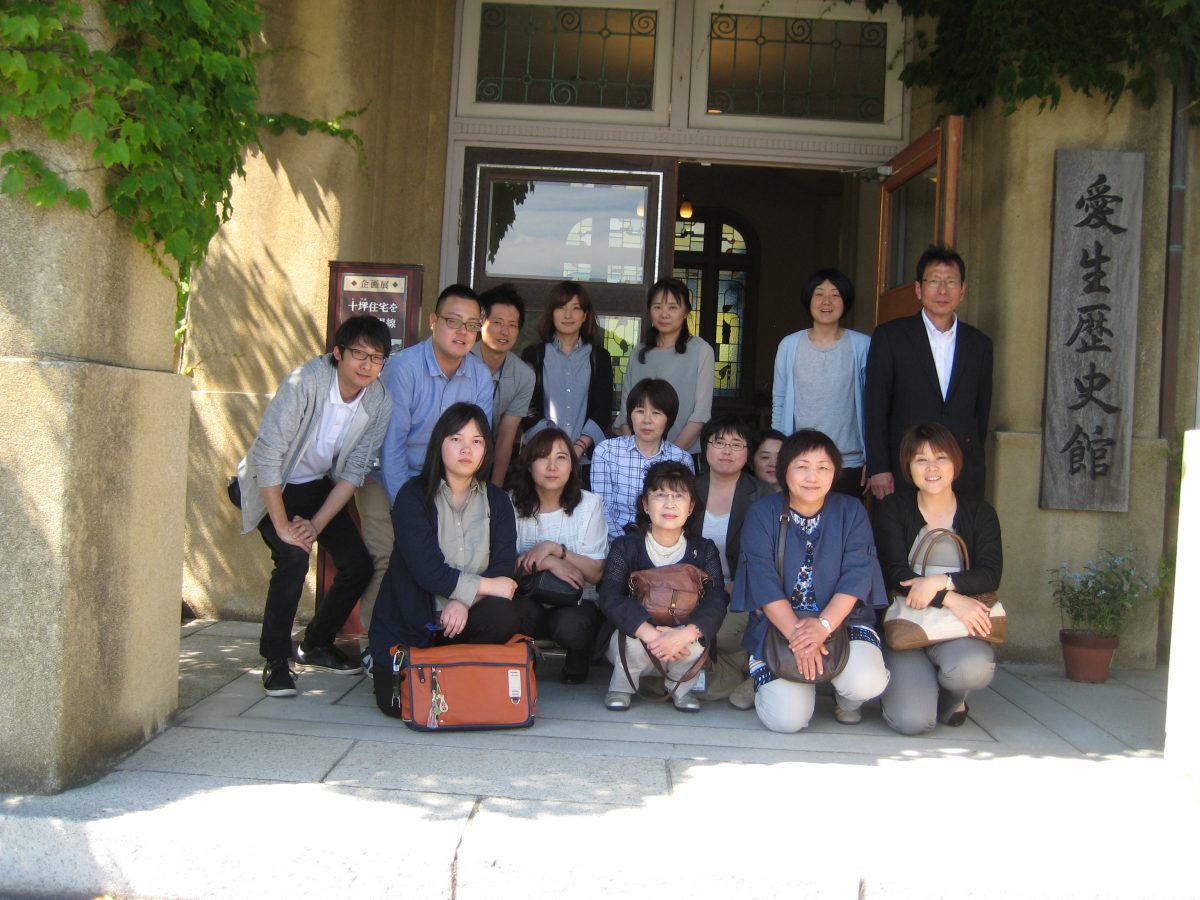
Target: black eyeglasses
{"type": "Point", "coordinates": [377, 359]}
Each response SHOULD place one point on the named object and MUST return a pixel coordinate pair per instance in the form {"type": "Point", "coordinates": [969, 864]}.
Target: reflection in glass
{"type": "Point", "coordinates": [559, 229]}
{"type": "Point", "coordinates": [912, 226]}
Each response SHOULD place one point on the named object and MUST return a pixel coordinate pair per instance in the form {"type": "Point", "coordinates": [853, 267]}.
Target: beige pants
{"type": "Point", "coordinates": [640, 664]}
{"type": "Point", "coordinates": [787, 706]}
{"type": "Point", "coordinates": [375, 512]}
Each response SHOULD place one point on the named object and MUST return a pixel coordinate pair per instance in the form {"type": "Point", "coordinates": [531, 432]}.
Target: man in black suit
{"type": "Point", "coordinates": [929, 368]}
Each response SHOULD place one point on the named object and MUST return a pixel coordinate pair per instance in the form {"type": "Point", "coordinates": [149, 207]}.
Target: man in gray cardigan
{"type": "Point", "coordinates": [318, 438]}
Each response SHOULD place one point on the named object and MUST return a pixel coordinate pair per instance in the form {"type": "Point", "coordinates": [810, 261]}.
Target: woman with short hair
{"type": "Point", "coordinates": [931, 685]}
{"type": "Point", "coordinates": [662, 539]}
{"type": "Point", "coordinates": [724, 492]}
{"type": "Point", "coordinates": [829, 577]}
{"type": "Point", "coordinates": [821, 376]}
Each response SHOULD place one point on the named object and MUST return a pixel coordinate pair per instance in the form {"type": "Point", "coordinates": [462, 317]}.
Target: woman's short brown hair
{"type": "Point", "coordinates": [559, 296]}
{"type": "Point", "coordinates": [940, 440]}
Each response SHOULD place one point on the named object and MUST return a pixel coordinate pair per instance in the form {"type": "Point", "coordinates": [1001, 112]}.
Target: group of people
{"type": "Point", "coordinates": [454, 517]}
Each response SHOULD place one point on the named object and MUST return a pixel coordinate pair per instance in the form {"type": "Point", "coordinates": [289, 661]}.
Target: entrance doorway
{"type": "Point", "coordinates": [793, 221]}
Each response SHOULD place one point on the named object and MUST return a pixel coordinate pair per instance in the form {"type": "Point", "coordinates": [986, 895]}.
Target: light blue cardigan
{"type": "Point", "coordinates": [783, 392]}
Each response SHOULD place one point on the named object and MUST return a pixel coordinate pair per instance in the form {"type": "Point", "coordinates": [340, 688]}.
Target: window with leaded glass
{"type": "Point", "coordinates": [713, 257]}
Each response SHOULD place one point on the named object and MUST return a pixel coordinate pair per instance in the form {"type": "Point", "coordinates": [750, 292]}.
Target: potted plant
{"type": "Point", "coordinates": [1098, 601]}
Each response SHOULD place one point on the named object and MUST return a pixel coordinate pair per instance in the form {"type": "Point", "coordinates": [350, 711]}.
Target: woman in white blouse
{"type": "Point", "coordinates": [561, 530]}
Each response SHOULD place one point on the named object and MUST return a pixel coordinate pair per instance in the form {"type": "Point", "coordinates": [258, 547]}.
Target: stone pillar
{"type": "Point", "coordinates": [1183, 715]}
{"type": "Point", "coordinates": [93, 454]}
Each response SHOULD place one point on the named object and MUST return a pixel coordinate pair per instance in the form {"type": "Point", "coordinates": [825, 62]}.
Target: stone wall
{"type": "Point", "coordinates": [93, 436]}
{"type": "Point", "coordinates": [1005, 236]}
{"type": "Point", "coordinates": [259, 306]}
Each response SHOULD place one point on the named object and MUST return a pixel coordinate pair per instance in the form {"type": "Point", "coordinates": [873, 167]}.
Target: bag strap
{"type": "Point", "coordinates": [780, 546]}
{"type": "Point", "coordinates": [932, 536]}
{"type": "Point", "coordinates": [687, 676]}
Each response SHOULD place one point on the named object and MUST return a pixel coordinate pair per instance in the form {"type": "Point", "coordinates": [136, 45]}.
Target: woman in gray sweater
{"type": "Point", "coordinates": [673, 354]}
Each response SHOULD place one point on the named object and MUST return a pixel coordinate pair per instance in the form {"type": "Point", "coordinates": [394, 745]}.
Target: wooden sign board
{"type": "Point", "coordinates": [1091, 351]}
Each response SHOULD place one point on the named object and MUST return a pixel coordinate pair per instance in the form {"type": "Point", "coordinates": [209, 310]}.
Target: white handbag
{"type": "Point", "coordinates": [905, 628]}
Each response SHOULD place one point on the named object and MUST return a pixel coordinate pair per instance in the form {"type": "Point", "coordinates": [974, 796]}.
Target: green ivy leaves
{"type": "Point", "coordinates": [1018, 51]}
{"type": "Point", "coordinates": [168, 110]}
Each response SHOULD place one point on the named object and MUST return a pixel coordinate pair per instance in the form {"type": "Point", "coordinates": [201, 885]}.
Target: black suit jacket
{"type": "Point", "coordinates": [746, 491]}
{"type": "Point", "coordinates": [903, 390]}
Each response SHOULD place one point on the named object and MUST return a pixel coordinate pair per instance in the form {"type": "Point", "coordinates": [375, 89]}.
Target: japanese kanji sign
{"type": "Point", "coordinates": [1087, 426]}
{"type": "Point", "coordinates": [390, 292]}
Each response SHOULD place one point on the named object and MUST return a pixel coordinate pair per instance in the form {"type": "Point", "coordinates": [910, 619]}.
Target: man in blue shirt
{"type": "Point", "coordinates": [423, 380]}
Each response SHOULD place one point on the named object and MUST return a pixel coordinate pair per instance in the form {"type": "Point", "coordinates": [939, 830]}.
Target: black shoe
{"type": "Point", "coordinates": [572, 678]}
{"type": "Point", "coordinates": [329, 658]}
{"type": "Point", "coordinates": [958, 716]}
{"type": "Point", "coordinates": [278, 678]}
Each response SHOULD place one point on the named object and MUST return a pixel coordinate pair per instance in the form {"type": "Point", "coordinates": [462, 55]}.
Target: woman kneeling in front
{"type": "Point", "coordinates": [931, 684]}
{"type": "Point", "coordinates": [829, 576]}
{"type": "Point", "coordinates": [450, 576]}
{"type": "Point", "coordinates": [560, 530]}
{"type": "Point", "coordinates": [667, 500]}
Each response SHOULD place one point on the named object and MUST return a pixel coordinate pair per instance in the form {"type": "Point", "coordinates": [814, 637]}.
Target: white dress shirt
{"type": "Point", "coordinates": [942, 345]}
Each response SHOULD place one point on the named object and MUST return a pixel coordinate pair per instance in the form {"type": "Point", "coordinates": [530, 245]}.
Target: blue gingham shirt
{"type": "Point", "coordinates": [618, 473]}
{"type": "Point", "coordinates": [420, 393]}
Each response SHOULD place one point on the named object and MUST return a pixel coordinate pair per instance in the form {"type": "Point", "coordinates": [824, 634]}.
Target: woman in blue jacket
{"type": "Point", "coordinates": [830, 576]}
{"type": "Point", "coordinates": [450, 579]}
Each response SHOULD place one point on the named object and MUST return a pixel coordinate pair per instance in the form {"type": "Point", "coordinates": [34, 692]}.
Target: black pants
{"type": "Point", "coordinates": [573, 627]}
{"type": "Point", "coordinates": [850, 483]}
{"type": "Point", "coordinates": [354, 567]}
{"type": "Point", "coordinates": [491, 620]}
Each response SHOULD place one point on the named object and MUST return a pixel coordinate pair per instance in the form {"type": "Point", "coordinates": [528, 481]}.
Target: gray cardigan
{"type": "Point", "coordinates": [292, 419]}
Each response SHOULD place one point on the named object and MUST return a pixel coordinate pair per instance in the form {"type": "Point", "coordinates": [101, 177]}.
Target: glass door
{"type": "Point", "coordinates": [918, 207]}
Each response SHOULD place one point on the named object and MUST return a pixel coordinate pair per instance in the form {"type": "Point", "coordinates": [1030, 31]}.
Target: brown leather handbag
{"type": "Point", "coordinates": [776, 652]}
{"type": "Point", "coordinates": [669, 594]}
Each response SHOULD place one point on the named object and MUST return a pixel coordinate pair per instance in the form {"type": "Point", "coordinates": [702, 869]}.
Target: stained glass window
{"type": "Point", "coordinates": [717, 273]}
{"type": "Point", "coordinates": [620, 336]}
{"type": "Point", "coordinates": [797, 68]}
{"type": "Point", "coordinates": [581, 56]}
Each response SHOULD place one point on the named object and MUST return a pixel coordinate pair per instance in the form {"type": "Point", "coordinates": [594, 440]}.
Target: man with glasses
{"type": "Point", "coordinates": [512, 378]}
{"type": "Point", "coordinates": [930, 367]}
{"type": "Point", "coordinates": [317, 440]}
{"type": "Point", "coordinates": [423, 381]}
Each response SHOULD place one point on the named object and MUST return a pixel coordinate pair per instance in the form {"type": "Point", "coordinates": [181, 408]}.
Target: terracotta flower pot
{"type": "Point", "coordinates": [1087, 656]}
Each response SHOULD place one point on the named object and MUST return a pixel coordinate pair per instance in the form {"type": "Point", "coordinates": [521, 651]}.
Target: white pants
{"type": "Point", "coordinates": [640, 664]}
{"type": "Point", "coordinates": [375, 513]}
{"type": "Point", "coordinates": [787, 706]}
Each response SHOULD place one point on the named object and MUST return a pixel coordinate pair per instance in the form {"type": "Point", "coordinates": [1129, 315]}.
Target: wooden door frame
{"type": "Point", "coordinates": [939, 148]}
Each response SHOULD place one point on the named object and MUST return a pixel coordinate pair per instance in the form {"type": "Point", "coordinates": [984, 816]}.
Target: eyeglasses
{"type": "Point", "coordinates": [934, 284]}
{"type": "Point", "coordinates": [377, 359]}
{"type": "Point", "coordinates": [664, 496]}
{"type": "Point", "coordinates": [735, 446]}
{"type": "Point", "coordinates": [454, 323]}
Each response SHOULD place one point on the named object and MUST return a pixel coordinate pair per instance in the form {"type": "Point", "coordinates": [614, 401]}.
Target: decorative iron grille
{"type": "Point", "coordinates": [797, 68]}
{"type": "Point", "coordinates": [566, 56]}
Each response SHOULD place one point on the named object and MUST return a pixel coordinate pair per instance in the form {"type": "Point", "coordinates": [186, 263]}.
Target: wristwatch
{"type": "Point", "coordinates": [564, 551]}
{"type": "Point", "coordinates": [825, 622]}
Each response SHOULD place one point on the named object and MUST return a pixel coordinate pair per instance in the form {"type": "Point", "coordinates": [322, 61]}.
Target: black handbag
{"type": "Point", "coordinates": [776, 652]}
{"type": "Point", "coordinates": [548, 589]}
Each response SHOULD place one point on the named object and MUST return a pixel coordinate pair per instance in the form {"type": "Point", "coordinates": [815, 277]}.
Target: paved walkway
{"type": "Point", "coordinates": [1052, 789]}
